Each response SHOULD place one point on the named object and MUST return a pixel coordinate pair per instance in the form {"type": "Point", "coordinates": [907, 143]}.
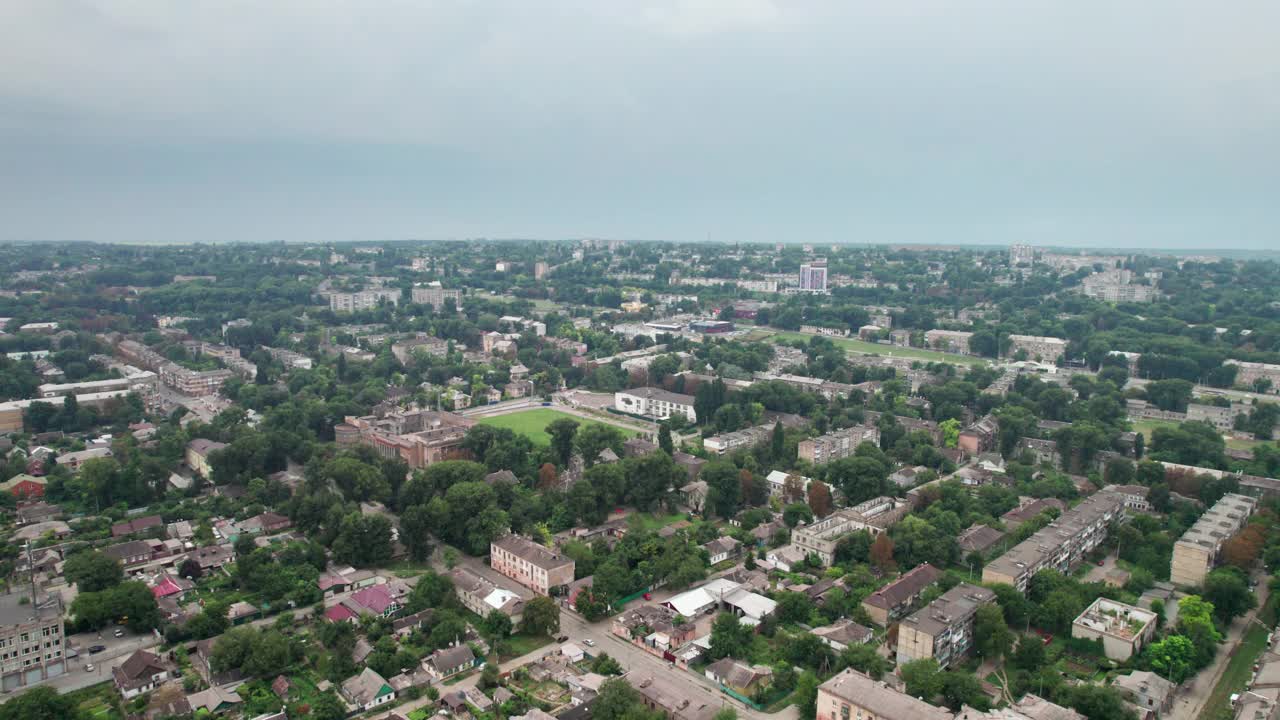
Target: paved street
{"type": "Point", "coordinates": [1193, 694]}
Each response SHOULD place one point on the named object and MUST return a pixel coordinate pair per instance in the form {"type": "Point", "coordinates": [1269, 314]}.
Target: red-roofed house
{"type": "Point", "coordinates": [340, 613]}
{"type": "Point", "coordinates": [166, 587]}
{"type": "Point", "coordinates": [376, 600]}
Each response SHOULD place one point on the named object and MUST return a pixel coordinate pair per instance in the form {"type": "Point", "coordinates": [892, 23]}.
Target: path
{"type": "Point", "coordinates": [1194, 693]}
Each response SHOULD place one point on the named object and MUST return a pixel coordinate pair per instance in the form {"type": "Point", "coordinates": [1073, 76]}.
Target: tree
{"type": "Point", "coordinates": [92, 571]}
{"type": "Point", "coordinates": [806, 695]}
{"type": "Point", "coordinates": [865, 659]}
{"type": "Point", "coordinates": [724, 490]}
{"type": "Point", "coordinates": [363, 540]}
{"type": "Point", "coordinates": [961, 688]}
{"type": "Point", "coordinates": [729, 637]}
{"type": "Point", "coordinates": [664, 439]}
{"type": "Point", "coordinates": [547, 476]}
{"type": "Point", "coordinates": [819, 498]}
{"type": "Point", "coordinates": [1227, 590]}
{"type": "Point", "coordinates": [190, 568]}
{"type": "Point", "coordinates": [40, 703]}
{"type": "Point", "coordinates": [777, 442]}
{"type": "Point", "coordinates": [991, 633]}
{"type": "Point", "coordinates": [1030, 654]}
{"type": "Point", "coordinates": [541, 617]}
{"type": "Point", "coordinates": [725, 713]}
{"type": "Point", "coordinates": [594, 438]}
{"type": "Point", "coordinates": [496, 626]}
{"type": "Point", "coordinates": [923, 678]}
{"type": "Point", "coordinates": [327, 705]}
{"type": "Point", "coordinates": [1172, 658]}
{"type": "Point", "coordinates": [881, 552]}
{"type": "Point", "coordinates": [415, 532]}
{"type": "Point", "coordinates": [616, 700]}
{"type": "Point", "coordinates": [562, 434]}
{"type": "Point", "coordinates": [605, 665]}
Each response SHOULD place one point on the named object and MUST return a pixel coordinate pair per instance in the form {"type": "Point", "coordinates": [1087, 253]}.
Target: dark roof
{"type": "Point", "coordinates": [904, 588]}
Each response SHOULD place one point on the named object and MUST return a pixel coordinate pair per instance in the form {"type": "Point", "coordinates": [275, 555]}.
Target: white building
{"type": "Point", "coordinates": [813, 276]}
{"type": "Point", "coordinates": [655, 403]}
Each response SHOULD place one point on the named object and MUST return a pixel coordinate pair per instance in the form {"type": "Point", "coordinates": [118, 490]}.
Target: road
{"type": "Point", "coordinates": [1194, 693]}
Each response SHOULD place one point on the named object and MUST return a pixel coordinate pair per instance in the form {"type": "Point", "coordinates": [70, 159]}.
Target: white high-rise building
{"type": "Point", "coordinates": [813, 276]}
{"type": "Point", "coordinates": [1022, 255]}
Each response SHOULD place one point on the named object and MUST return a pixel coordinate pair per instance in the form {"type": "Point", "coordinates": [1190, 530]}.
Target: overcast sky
{"type": "Point", "coordinates": [1118, 124]}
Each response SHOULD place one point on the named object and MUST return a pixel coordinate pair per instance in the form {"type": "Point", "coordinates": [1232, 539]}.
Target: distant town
{"type": "Point", "coordinates": [607, 480]}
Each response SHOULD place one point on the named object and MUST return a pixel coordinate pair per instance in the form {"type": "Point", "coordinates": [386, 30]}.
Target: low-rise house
{"type": "Point", "coordinates": [738, 676]}
{"type": "Point", "coordinates": [670, 697]}
{"type": "Point", "coordinates": [213, 700]}
{"type": "Point", "coordinates": [1123, 629]}
{"type": "Point", "coordinates": [447, 662]}
{"type": "Point", "coordinates": [907, 477]}
{"type": "Point", "coordinates": [981, 436]}
{"type": "Point", "coordinates": [37, 512]}
{"type": "Point", "coordinates": [24, 485]}
{"type": "Point", "coordinates": [267, 523]}
{"type": "Point", "coordinates": [367, 690]}
{"type": "Point", "coordinates": [74, 460]}
{"type": "Point", "coordinates": [212, 557]}
{"type": "Point", "coordinates": [1028, 509]}
{"type": "Point", "coordinates": [722, 549]}
{"type": "Point", "coordinates": [1151, 694]}
{"type": "Point", "coordinates": [694, 495]}
{"type": "Point", "coordinates": [136, 525]}
{"type": "Point", "coordinates": [840, 635]}
{"type": "Point", "coordinates": [197, 456]}
{"type": "Point", "coordinates": [978, 538]}
{"type": "Point", "coordinates": [132, 553]}
{"type": "Point", "coordinates": [656, 628]}
{"type": "Point", "coordinates": [142, 672]}
{"type": "Point", "coordinates": [851, 694]}
{"type": "Point", "coordinates": [482, 597]}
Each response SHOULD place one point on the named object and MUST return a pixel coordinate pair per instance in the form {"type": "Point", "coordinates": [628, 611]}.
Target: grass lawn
{"type": "Point", "coordinates": [97, 702]}
{"type": "Point", "coordinates": [520, 644]}
{"type": "Point", "coordinates": [868, 348]}
{"type": "Point", "coordinates": [651, 522]}
{"type": "Point", "coordinates": [1146, 427]}
{"type": "Point", "coordinates": [532, 423]}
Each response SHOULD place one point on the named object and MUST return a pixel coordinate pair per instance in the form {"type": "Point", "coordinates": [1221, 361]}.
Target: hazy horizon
{"type": "Point", "coordinates": [815, 121]}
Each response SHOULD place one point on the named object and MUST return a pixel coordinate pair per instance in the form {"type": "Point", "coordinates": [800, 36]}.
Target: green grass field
{"type": "Point", "coordinates": [532, 423]}
{"type": "Point", "coordinates": [868, 348]}
{"type": "Point", "coordinates": [1146, 427]}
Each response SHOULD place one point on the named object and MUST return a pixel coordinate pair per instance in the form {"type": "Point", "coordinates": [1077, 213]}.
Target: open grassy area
{"type": "Point", "coordinates": [532, 423]}
{"type": "Point", "coordinates": [868, 348]}
{"type": "Point", "coordinates": [1146, 427]}
{"type": "Point", "coordinates": [652, 522]}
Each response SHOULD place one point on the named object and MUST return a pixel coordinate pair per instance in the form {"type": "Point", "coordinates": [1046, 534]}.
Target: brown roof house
{"type": "Point", "coordinates": [896, 599]}
{"type": "Point", "coordinates": [447, 662]}
{"type": "Point", "coordinates": [738, 676]}
{"type": "Point", "coordinates": [142, 672]}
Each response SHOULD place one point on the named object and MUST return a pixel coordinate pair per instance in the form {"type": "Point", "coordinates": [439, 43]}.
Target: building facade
{"type": "Point", "coordinates": [1196, 552]}
{"type": "Point", "coordinates": [943, 629]}
{"type": "Point", "coordinates": [837, 444]}
{"type": "Point", "coordinates": [655, 403]}
{"type": "Point", "coordinates": [530, 564]}
{"type": "Point", "coordinates": [1040, 349]}
{"type": "Point", "coordinates": [31, 641]}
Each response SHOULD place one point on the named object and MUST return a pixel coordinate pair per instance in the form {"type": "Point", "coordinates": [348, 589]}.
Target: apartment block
{"type": "Point", "coordinates": [1062, 544]}
{"type": "Point", "coordinates": [435, 296]}
{"type": "Point", "coordinates": [530, 564]}
{"type": "Point", "coordinates": [952, 341]}
{"type": "Point", "coordinates": [1041, 349]}
{"type": "Point", "coordinates": [837, 444]}
{"type": "Point", "coordinates": [943, 629]}
{"type": "Point", "coordinates": [875, 516]}
{"type": "Point", "coordinates": [1222, 418]}
{"type": "Point", "coordinates": [851, 695]}
{"type": "Point", "coordinates": [363, 300]}
{"type": "Point", "coordinates": [31, 641]}
{"type": "Point", "coordinates": [739, 439]}
{"type": "Point", "coordinates": [1196, 552]}
{"type": "Point", "coordinates": [482, 597]}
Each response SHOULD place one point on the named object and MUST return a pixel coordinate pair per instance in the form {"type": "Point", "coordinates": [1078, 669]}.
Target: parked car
{"type": "Point", "coordinates": [118, 633]}
{"type": "Point", "coordinates": [647, 596]}
{"type": "Point", "coordinates": [88, 667]}
{"type": "Point", "coordinates": [562, 638]}
{"type": "Point", "coordinates": [589, 642]}
{"type": "Point", "coordinates": [95, 649]}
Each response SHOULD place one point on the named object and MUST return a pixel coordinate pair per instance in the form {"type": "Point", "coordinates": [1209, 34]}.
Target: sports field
{"type": "Point", "coordinates": [532, 423]}
{"type": "Point", "coordinates": [869, 348]}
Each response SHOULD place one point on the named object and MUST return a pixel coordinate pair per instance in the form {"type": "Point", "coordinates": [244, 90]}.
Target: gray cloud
{"type": "Point", "coordinates": [929, 121]}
